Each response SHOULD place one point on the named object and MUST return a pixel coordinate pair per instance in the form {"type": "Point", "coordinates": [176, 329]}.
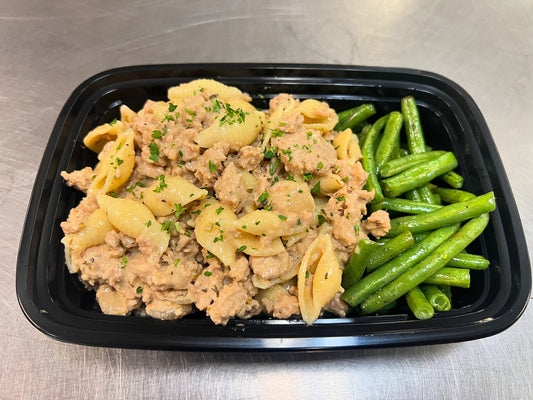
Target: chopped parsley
{"type": "Point", "coordinates": [270, 153]}
{"type": "Point", "coordinates": [282, 217]}
{"type": "Point", "coordinates": [162, 184]}
{"type": "Point", "coordinates": [209, 255]}
{"type": "Point", "coordinates": [208, 273]}
{"type": "Point", "coordinates": [157, 134]}
{"type": "Point", "coordinates": [233, 116]}
{"type": "Point", "coordinates": [176, 262]}
{"type": "Point", "coordinates": [274, 166]}
{"type": "Point", "coordinates": [290, 178]}
{"type": "Point", "coordinates": [307, 176]}
{"type": "Point", "coordinates": [321, 219]}
{"type": "Point", "coordinates": [139, 289]}
{"type": "Point", "coordinates": [263, 197]}
{"type": "Point", "coordinates": [123, 262]}
{"type": "Point", "coordinates": [212, 166]}
{"type": "Point", "coordinates": [219, 210]}
{"type": "Point", "coordinates": [190, 112]}
{"type": "Point", "coordinates": [112, 123]}
{"type": "Point", "coordinates": [168, 226]}
{"type": "Point", "coordinates": [316, 188]}
{"type": "Point", "coordinates": [154, 152]}
{"type": "Point", "coordinates": [309, 134]}
{"type": "Point", "coordinates": [276, 133]}
{"type": "Point", "coordinates": [306, 274]}
{"type": "Point", "coordinates": [319, 165]}
{"type": "Point", "coordinates": [168, 117]}
{"type": "Point", "coordinates": [149, 223]}
{"type": "Point", "coordinates": [219, 238]}
{"type": "Point", "coordinates": [134, 185]}
{"type": "Point", "coordinates": [356, 227]}
{"type": "Point", "coordinates": [179, 210]}
{"type": "Point", "coordinates": [288, 153]}
{"type": "Point", "coordinates": [172, 107]}
{"type": "Point", "coordinates": [242, 248]}
{"type": "Point", "coordinates": [341, 198]}
{"type": "Point", "coordinates": [217, 106]}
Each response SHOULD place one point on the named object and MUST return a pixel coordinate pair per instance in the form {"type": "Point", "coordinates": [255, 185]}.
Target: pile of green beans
{"type": "Point", "coordinates": [423, 254]}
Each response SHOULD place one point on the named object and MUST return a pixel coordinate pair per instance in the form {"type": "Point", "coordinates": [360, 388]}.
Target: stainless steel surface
{"type": "Point", "coordinates": [48, 48]}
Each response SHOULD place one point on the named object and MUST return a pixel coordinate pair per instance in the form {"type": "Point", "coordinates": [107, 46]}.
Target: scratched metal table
{"type": "Point", "coordinates": [48, 48]}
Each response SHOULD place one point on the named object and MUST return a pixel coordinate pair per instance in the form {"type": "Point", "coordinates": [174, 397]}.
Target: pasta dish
{"type": "Point", "coordinates": [204, 203]}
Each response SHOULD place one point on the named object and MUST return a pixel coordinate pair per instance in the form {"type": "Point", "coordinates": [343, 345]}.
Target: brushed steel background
{"type": "Point", "coordinates": [48, 47]}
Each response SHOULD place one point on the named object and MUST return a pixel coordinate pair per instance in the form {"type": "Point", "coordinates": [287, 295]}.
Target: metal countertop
{"type": "Point", "coordinates": [48, 48]}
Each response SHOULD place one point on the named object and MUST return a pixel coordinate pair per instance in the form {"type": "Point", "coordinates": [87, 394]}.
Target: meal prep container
{"type": "Point", "coordinates": [56, 303]}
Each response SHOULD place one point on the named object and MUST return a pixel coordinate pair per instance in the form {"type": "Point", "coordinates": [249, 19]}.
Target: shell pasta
{"type": "Point", "coordinates": [204, 203]}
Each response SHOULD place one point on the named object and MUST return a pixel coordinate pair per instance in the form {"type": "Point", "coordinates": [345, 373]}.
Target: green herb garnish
{"type": "Point", "coordinates": [154, 152]}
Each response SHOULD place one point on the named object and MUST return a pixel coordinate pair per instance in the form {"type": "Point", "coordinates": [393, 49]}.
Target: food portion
{"type": "Point", "coordinates": [422, 255]}
{"type": "Point", "coordinates": [204, 203]}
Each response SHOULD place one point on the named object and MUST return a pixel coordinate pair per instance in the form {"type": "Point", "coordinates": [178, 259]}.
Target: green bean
{"type": "Point", "coordinates": [342, 115]}
{"type": "Point", "coordinates": [397, 165]}
{"type": "Point", "coordinates": [453, 179]}
{"type": "Point", "coordinates": [418, 237]}
{"type": "Point", "coordinates": [404, 206]}
{"type": "Point", "coordinates": [461, 260]}
{"type": "Point", "coordinates": [450, 276]}
{"type": "Point", "coordinates": [413, 195]}
{"type": "Point", "coordinates": [447, 290]}
{"type": "Point", "coordinates": [418, 304]}
{"type": "Point", "coordinates": [389, 250]}
{"type": "Point", "coordinates": [436, 297]}
{"type": "Point", "coordinates": [427, 267]}
{"type": "Point", "coordinates": [437, 201]}
{"type": "Point", "coordinates": [390, 141]}
{"type": "Point", "coordinates": [386, 309]}
{"type": "Point", "coordinates": [446, 215]}
{"type": "Point", "coordinates": [385, 274]}
{"type": "Point", "coordinates": [354, 117]}
{"type": "Point", "coordinates": [418, 175]}
{"type": "Point", "coordinates": [363, 133]}
{"type": "Point", "coordinates": [413, 129]}
{"type": "Point", "coordinates": [369, 162]}
{"type": "Point", "coordinates": [355, 268]}
{"type": "Point", "coordinates": [415, 138]}
{"type": "Point", "coordinates": [425, 195]}
{"type": "Point", "coordinates": [452, 195]}
{"type": "Point", "coordinates": [403, 152]}
{"type": "Point", "coordinates": [469, 261]}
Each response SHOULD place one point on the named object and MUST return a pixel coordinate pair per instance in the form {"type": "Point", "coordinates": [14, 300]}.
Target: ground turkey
{"type": "Point", "coordinates": [230, 189]}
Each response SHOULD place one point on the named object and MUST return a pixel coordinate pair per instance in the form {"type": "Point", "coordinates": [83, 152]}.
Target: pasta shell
{"type": "Point", "coordinates": [319, 278]}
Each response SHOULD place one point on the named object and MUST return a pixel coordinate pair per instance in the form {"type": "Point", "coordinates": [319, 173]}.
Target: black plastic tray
{"type": "Point", "coordinates": [55, 301]}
